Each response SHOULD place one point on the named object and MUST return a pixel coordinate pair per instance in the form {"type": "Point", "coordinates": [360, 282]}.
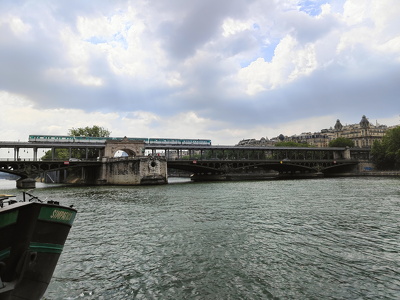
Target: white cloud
{"type": "Point", "coordinates": [78, 74]}
{"type": "Point", "coordinates": [20, 118]}
{"type": "Point", "coordinates": [219, 70]}
{"type": "Point", "coordinates": [372, 24]}
{"type": "Point", "coordinates": [19, 27]}
{"type": "Point", "coordinates": [291, 61]}
{"type": "Point", "coordinates": [231, 26]}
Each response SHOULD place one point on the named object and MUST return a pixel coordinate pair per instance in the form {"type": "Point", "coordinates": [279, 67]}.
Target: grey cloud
{"type": "Point", "coordinates": [239, 43]}
{"type": "Point", "coordinates": [306, 28]}
{"type": "Point", "coordinates": [23, 62]}
{"type": "Point", "coordinates": [356, 83]}
{"type": "Point", "coordinates": [336, 90]}
{"type": "Point", "coordinates": [198, 25]}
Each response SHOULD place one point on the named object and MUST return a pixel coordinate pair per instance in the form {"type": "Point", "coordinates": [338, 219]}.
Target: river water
{"type": "Point", "coordinates": [293, 239]}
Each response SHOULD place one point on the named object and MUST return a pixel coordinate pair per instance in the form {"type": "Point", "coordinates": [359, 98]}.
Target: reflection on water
{"type": "Point", "coordinates": [301, 239]}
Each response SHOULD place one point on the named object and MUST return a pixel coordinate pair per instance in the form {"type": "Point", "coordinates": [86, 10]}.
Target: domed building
{"type": "Point", "coordinates": [362, 134]}
{"type": "Point", "coordinates": [338, 125]}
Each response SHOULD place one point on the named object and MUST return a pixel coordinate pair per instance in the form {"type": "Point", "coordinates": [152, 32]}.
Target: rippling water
{"type": "Point", "coordinates": [300, 239]}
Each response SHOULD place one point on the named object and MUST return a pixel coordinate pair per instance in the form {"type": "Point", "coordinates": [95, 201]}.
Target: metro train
{"type": "Point", "coordinates": [87, 139]}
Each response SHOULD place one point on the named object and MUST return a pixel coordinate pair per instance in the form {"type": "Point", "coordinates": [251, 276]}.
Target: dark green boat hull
{"type": "Point", "coordinates": [32, 237]}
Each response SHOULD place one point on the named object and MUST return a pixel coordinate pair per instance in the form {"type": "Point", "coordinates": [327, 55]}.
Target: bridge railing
{"type": "Point", "coordinates": [269, 159]}
{"type": "Point", "coordinates": [19, 159]}
{"type": "Point", "coordinates": [283, 160]}
{"type": "Point", "coordinates": [46, 160]}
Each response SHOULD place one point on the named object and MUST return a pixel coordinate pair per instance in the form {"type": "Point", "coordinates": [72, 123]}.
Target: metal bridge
{"type": "Point", "coordinates": [32, 168]}
{"type": "Point", "coordinates": [260, 161]}
{"type": "Point", "coordinates": [200, 160]}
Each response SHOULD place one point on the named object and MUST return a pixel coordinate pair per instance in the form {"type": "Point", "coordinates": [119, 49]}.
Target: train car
{"type": "Point", "coordinates": [196, 142]}
{"type": "Point", "coordinates": [51, 138]}
{"type": "Point", "coordinates": [64, 139]}
{"type": "Point", "coordinates": [86, 139]}
{"type": "Point", "coordinates": [165, 141]}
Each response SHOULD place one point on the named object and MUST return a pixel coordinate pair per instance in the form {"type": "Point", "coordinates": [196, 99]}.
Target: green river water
{"type": "Point", "coordinates": [289, 239]}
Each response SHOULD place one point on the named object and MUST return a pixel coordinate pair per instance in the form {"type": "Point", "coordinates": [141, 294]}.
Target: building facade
{"type": "Point", "coordinates": [363, 134]}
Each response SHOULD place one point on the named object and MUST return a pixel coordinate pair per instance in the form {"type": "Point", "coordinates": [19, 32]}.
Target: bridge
{"type": "Point", "coordinates": [240, 162]}
{"type": "Point", "coordinates": [24, 159]}
{"type": "Point", "coordinates": [204, 162]}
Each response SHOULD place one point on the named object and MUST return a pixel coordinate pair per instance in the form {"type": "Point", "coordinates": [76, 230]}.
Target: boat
{"type": "Point", "coordinates": [32, 237]}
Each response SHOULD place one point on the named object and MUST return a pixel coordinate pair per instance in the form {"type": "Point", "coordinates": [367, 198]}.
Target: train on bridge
{"type": "Point", "coordinates": [87, 139]}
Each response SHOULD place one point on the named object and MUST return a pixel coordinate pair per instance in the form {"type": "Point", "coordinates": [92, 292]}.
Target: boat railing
{"type": "Point", "coordinates": [31, 199]}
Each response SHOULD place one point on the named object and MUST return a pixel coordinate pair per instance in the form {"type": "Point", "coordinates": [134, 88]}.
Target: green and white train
{"type": "Point", "coordinates": [87, 139]}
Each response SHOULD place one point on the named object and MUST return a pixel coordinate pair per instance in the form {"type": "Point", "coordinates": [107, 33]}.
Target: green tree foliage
{"type": "Point", "coordinates": [94, 131]}
{"type": "Point", "coordinates": [291, 144]}
{"type": "Point", "coordinates": [64, 154]}
{"type": "Point", "coordinates": [341, 142]}
{"type": "Point", "coordinates": [61, 154]}
{"type": "Point", "coordinates": [386, 153]}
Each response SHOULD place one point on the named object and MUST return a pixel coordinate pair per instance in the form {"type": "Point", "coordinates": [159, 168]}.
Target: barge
{"type": "Point", "coordinates": [32, 237]}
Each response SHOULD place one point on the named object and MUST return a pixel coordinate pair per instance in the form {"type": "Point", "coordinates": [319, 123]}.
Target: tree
{"type": "Point", "coordinates": [94, 131]}
{"type": "Point", "coordinates": [386, 153]}
{"type": "Point", "coordinates": [341, 142]}
{"type": "Point", "coordinates": [62, 154]}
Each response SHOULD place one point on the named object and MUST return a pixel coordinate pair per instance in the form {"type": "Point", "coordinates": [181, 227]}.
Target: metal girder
{"type": "Point", "coordinates": [26, 169]}
{"type": "Point", "coordinates": [223, 166]}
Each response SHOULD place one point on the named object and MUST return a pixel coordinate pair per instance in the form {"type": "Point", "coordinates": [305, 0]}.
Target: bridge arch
{"type": "Point", "coordinates": [129, 152]}
{"type": "Point", "coordinates": [132, 148]}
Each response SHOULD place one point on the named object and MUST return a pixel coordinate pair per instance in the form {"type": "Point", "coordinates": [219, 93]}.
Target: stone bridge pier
{"type": "Point", "coordinates": [134, 169]}
{"type": "Point", "coordinates": [26, 183]}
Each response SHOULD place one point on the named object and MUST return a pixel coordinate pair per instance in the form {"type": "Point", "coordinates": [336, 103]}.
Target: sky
{"type": "Point", "coordinates": [223, 70]}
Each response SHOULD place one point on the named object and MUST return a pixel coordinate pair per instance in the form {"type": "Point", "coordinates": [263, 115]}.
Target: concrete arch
{"type": "Point", "coordinates": [130, 152]}
{"type": "Point", "coordinates": [132, 148]}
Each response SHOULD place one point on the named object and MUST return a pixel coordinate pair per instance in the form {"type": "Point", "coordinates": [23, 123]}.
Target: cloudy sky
{"type": "Point", "coordinates": [218, 69]}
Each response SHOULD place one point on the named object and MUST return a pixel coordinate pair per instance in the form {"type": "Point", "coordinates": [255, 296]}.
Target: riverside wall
{"type": "Point", "coordinates": [369, 169]}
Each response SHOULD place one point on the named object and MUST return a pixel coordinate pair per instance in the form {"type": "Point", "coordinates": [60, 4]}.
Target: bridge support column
{"type": "Point", "coordinates": [133, 171]}
{"type": "Point", "coordinates": [16, 154]}
{"type": "Point", "coordinates": [35, 150]}
{"type": "Point", "coordinates": [346, 153]}
{"type": "Point", "coordinates": [26, 183]}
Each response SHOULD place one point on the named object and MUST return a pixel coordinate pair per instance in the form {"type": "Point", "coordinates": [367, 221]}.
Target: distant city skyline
{"type": "Point", "coordinates": [220, 70]}
{"type": "Point", "coordinates": [363, 134]}
{"type": "Point", "coordinates": [375, 123]}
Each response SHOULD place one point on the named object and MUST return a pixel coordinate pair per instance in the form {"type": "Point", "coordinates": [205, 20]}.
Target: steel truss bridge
{"type": "Point", "coordinates": [18, 162]}
{"type": "Point", "coordinates": [232, 160]}
{"type": "Point", "coordinates": [205, 160]}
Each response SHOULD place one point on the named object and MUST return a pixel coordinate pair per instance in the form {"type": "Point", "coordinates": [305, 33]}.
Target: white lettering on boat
{"type": "Point", "coordinates": [61, 215]}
